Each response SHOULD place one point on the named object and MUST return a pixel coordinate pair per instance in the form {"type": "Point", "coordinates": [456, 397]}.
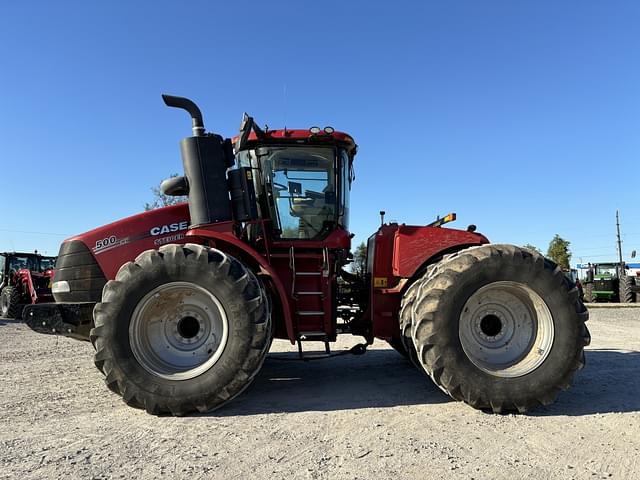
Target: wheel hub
{"type": "Point", "coordinates": [491, 325]}
{"type": "Point", "coordinates": [188, 327]}
{"type": "Point", "coordinates": [506, 329]}
{"type": "Point", "coordinates": [178, 331]}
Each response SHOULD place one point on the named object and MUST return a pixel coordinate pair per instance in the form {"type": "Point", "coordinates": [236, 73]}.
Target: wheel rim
{"type": "Point", "coordinates": [506, 329]}
{"type": "Point", "coordinates": [178, 331]}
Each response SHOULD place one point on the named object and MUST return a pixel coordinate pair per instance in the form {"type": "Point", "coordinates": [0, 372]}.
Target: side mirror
{"type": "Point", "coordinates": [245, 129]}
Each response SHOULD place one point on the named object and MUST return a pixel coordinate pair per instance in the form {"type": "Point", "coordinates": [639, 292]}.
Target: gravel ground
{"type": "Point", "coordinates": [365, 417]}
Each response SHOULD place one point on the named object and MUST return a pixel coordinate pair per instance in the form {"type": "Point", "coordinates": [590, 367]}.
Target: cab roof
{"type": "Point", "coordinates": [298, 136]}
{"type": "Point", "coordinates": [25, 254]}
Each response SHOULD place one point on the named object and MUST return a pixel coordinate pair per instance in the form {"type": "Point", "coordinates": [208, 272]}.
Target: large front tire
{"type": "Point", "coordinates": [184, 328]}
{"type": "Point", "coordinates": [499, 327]}
{"type": "Point", "coordinates": [9, 300]}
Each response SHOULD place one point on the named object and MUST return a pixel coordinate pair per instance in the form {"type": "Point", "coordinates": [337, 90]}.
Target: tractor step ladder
{"type": "Point", "coordinates": [313, 337]}
{"type": "Point", "coordinates": [303, 301]}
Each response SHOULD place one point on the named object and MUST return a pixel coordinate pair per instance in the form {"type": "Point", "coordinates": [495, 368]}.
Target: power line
{"type": "Point", "coordinates": [36, 233]}
{"type": "Point", "coordinates": [604, 247]}
{"type": "Point", "coordinates": [573, 255]}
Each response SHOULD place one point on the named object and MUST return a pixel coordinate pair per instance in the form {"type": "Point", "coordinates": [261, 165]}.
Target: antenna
{"type": "Point", "coordinates": [284, 93]}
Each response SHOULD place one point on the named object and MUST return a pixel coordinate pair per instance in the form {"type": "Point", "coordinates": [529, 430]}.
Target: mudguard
{"type": "Point", "coordinates": [399, 253]}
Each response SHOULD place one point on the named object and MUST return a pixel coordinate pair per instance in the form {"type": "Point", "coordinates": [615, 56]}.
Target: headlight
{"type": "Point", "coordinates": [60, 287]}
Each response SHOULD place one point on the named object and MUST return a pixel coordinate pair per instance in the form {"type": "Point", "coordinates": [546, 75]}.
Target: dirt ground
{"type": "Point", "coordinates": [350, 417]}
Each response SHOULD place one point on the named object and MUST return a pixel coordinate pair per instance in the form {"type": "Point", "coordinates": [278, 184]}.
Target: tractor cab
{"type": "Point", "coordinates": [302, 179]}
{"type": "Point", "coordinates": [300, 184]}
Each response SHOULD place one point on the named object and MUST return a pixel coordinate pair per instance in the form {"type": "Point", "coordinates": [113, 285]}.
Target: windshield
{"type": "Point", "coordinates": [31, 262]}
{"type": "Point", "coordinates": [47, 263]}
{"type": "Point", "coordinates": [606, 270]}
{"type": "Point", "coordinates": [20, 262]}
{"type": "Point", "coordinates": [303, 185]}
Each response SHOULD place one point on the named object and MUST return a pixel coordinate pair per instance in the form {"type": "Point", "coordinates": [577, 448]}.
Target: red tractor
{"type": "Point", "coordinates": [24, 278]}
{"type": "Point", "coordinates": [182, 303]}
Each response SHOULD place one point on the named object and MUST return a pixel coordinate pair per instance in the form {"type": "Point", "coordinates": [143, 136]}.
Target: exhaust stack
{"type": "Point", "coordinates": [191, 108]}
{"type": "Point", "coordinates": [206, 158]}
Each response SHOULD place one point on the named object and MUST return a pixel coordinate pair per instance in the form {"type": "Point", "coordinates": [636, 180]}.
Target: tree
{"type": "Point", "coordinates": [360, 260]}
{"type": "Point", "coordinates": [528, 246]}
{"type": "Point", "coordinates": [559, 251]}
{"type": "Point", "coordinates": [161, 200]}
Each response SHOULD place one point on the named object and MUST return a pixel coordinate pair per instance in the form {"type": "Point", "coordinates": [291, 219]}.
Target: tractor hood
{"type": "Point", "coordinates": [114, 244]}
{"type": "Point", "coordinates": [86, 261]}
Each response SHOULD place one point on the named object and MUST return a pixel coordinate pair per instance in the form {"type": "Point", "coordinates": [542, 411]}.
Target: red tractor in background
{"type": "Point", "coordinates": [182, 303]}
{"type": "Point", "coordinates": [25, 278]}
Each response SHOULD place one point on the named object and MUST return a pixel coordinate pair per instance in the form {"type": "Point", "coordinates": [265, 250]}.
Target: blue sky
{"type": "Point", "coordinates": [522, 117]}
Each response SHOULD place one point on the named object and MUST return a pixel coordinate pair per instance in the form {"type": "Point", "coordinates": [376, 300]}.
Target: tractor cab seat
{"type": "Point", "coordinates": [312, 210]}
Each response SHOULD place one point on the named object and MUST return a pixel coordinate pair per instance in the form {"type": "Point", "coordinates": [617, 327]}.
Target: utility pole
{"type": "Point", "coordinates": [619, 244]}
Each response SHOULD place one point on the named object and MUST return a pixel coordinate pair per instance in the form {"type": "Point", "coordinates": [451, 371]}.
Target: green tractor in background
{"type": "Point", "coordinates": [609, 282]}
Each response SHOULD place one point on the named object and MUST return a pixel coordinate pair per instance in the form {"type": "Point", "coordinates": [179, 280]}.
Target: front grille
{"type": "Point", "coordinates": [78, 267]}
{"type": "Point", "coordinates": [603, 285]}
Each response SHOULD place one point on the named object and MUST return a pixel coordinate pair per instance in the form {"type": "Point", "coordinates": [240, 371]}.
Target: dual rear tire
{"type": "Point", "coordinates": [496, 326]}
